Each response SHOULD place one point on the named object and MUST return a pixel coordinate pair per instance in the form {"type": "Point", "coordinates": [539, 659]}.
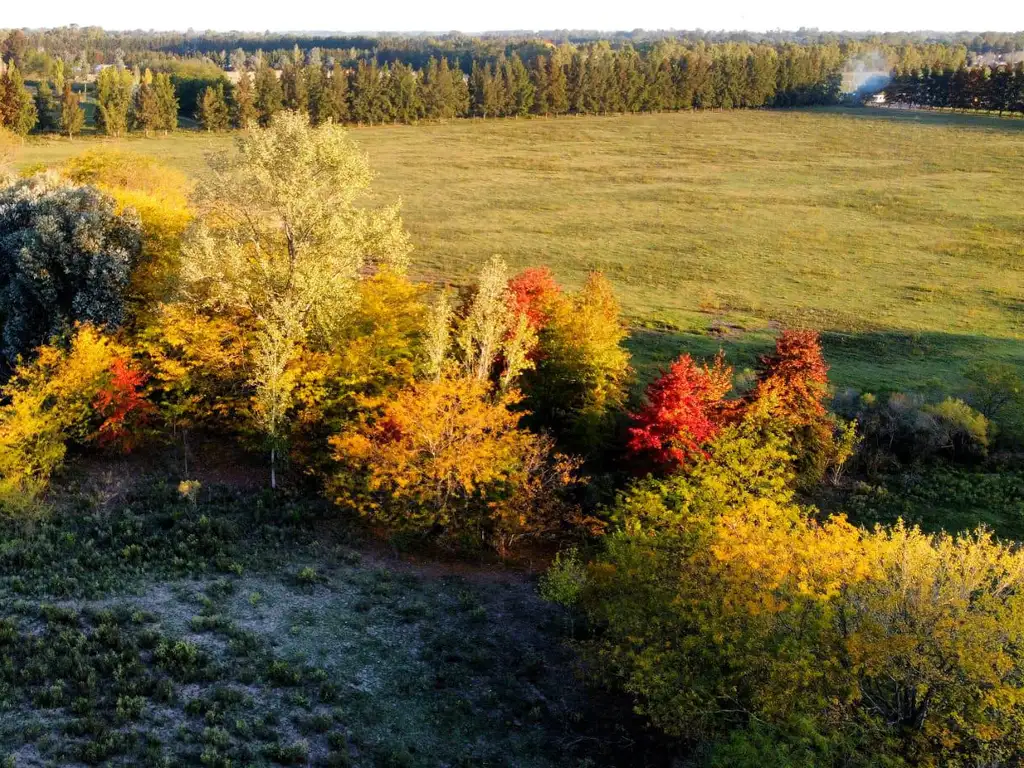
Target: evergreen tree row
{"type": "Point", "coordinates": [596, 80]}
{"type": "Point", "coordinates": [994, 89]}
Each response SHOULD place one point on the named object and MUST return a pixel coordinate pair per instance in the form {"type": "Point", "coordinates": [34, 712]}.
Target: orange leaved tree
{"type": "Point", "coordinates": [447, 456]}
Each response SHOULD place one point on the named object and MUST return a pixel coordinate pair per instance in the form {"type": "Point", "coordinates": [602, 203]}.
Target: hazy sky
{"type": "Point", "coordinates": [480, 15]}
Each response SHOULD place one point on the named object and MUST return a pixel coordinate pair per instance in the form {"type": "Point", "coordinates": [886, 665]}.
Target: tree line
{"type": "Point", "coordinates": [992, 89]}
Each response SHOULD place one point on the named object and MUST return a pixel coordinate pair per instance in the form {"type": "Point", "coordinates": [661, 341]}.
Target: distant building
{"type": "Point", "coordinates": [878, 98]}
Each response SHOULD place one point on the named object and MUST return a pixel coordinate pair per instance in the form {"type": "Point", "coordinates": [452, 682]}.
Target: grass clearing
{"type": "Point", "coordinates": [898, 234]}
{"type": "Point", "coordinates": [275, 641]}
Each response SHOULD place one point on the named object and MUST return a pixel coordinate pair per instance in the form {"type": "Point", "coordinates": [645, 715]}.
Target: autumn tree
{"type": "Point", "coordinates": [534, 293]}
{"type": "Point", "coordinates": [281, 245]}
{"type": "Point", "coordinates": [795, 380]}
{"type": "Point", "coordinates": [491, 340]}
{"type": "Point", "coordinates": [742, 616]}
{"type": "Point", "coordinates": [446, 456]}
{"type": "Point", "coordinates": [683, 409]}
{"type": "Point", "coordinates": [578, 386]}
{"type": "Point", "coordinates": [49, 403]}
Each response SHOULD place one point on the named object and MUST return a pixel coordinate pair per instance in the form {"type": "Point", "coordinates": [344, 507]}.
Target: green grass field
{"type": "Point", "coordinates": [900, 235]}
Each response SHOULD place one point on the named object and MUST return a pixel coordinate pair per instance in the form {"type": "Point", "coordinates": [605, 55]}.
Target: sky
{"type": "Point", "coordinates": [477, 16]}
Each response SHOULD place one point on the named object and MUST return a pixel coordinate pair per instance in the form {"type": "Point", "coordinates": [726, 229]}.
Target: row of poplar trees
{"type": "Point", "coordinates": [997, 88]}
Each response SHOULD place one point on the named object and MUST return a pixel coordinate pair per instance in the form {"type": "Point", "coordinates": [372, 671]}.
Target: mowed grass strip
{"type": "Point", "coordinates": [900, 235]}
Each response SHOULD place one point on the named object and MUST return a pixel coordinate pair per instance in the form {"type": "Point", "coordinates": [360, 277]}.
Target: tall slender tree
{"type": "Point", "coordinates": [72, 116]}
{"type": "Point", "coordinates": [268, 94]}
{"type": "Point", "coordinates": [167, 101]}
{"type": "Point", "coordinates": [114, 88]}
{"type": "Point", "coordinates": [46, 107]}
{"type": "Point", "coordinates": [243, 106]}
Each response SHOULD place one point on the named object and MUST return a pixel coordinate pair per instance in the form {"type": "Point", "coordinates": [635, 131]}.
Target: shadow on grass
{"type": "Point", "coordinates": [875, 361]}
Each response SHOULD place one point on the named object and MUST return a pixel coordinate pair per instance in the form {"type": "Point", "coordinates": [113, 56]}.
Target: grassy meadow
{"type": "Point", "coordinates": [898, 234]}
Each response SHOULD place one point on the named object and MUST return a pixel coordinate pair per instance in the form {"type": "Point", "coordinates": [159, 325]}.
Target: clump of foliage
{"type": "Point", "coordinates": [684, 409]}
{"type": "Point", "coordinates": [577, 389]}
{"type": "Point", "coordinates": [902, 430]}
{"type": "Point", "coordinates": [74, 394]}
{"type": "Point", "coordinates": [447, 456]}
{"type": "Point", "coordinates": [794, 380]}
{"type": "Point", "coordinates": [159, 196]}
{"type": "Point", "coordinates": [66, 256]}
{"type": "Point", "coordinates": [851, 647]}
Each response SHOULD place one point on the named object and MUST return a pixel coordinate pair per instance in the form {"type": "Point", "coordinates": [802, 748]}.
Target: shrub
{"type": "Point", "coordinates": [52, 401]}
{"type": "Point", "coordinates": [66, 256]}
{"type": "Point", "coordinates": [447, 456]}
{"type": "Point", "coordinates": [159, 195]}
{"type": "Point", "coordinates": [852, 647]}
{"type": "Point", "coordinates": [904, 429]}
{"type": "Point", "coordinates": [564, 581]}
{"type": "Point", "coordinates": [959, 430]}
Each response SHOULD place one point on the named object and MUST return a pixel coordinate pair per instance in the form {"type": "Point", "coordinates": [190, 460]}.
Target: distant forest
{"type": "Point", "coordinates": [224, 80]}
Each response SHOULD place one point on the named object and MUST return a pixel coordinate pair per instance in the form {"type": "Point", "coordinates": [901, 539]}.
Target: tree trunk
{"type": "Point", "coordinates": [273, 468]}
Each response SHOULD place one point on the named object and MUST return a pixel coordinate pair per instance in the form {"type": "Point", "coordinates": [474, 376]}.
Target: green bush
{"type": "Point", "coordinates": [959, 430]}
{"type": "Point", "coordinates": [66, 256]}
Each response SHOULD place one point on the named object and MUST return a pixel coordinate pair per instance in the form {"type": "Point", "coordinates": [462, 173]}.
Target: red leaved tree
{"type": "Point", "coordinates": [124, 409]}
{"type": "Point", "coordinates": [533, 293]}
{"type": "Point", "coordinates": [685, 408]}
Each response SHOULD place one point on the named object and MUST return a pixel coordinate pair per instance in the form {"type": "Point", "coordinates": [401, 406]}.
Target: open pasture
{"type": "Point", "coordinates": [901, 236]}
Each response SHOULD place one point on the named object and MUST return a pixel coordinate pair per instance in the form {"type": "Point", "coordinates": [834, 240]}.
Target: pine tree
{"type": "Point", "coordinates": [438, 90]}
{"type": "Point", "coordinates": [146, 113]}
{"type": "Point", "coordinates": [539, 77]}
{"type": "Point", "coordinates": [404, 93]}
{"type": "Point", "coordinates": [17, 108]}
{"type": "Point", "coordinates": [460, 90]}
{"type": "Point", "coordinates": [478, 89]}
{"type": "Point", "coordinates": [577, 84]}
{"type": "Point", "coordinates": [212, 109]}
{"type": "Point", "coordinates": [243, 107]}
{"type": "Point", "coordinates": [294, 89]}
{"type": "Point", "coordinates": [268, 94]}
{"type": "Point", "coordinates": [521, 92]}
{"type": "Point", "coordinates": [72, 116]}
{"type": "Point", "coordinates": [316, 89]}
{"type": "Point", "coordinates": [46, 107]}
{"type": "Point", "coordinates": [557, 93]}
{"type": "Point", "coordinates": [167, 102]}
{"type": "Point", "coordinates": [369, 99]}
{"type": "Point", "coordinates": [338, 96]}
